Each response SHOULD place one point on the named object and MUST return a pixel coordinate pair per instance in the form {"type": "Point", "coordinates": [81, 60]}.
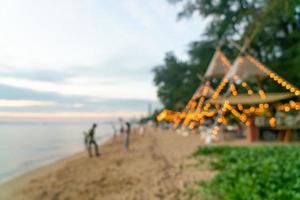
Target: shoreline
{"type": "Point", "coordinates": [47, 163]}
{"type": "Point", "coordinates": [158, 165]}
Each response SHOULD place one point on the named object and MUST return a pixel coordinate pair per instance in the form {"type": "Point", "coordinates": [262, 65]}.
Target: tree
{"type": "Point", "coordinates": [273, 26]}
{"type": "Point", "coordinates": [175, 82]}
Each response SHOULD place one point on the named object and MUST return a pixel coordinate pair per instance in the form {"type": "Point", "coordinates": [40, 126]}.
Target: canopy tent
{"type": "Point", "coordinates": [243, 69]}
{"type": "Point", "coordinates": [251, 100]}
{"type": "Point", "coordinates": [218, 66]}
{"type": "Point", "coordinates": [247, 68]}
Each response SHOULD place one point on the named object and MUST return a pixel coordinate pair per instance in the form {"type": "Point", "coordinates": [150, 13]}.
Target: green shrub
{"type": "Point", "coordinates": [253, 173]}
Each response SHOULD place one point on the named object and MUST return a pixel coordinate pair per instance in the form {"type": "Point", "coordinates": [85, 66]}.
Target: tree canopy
{"type": "Point", "coordinates": [273, 26]}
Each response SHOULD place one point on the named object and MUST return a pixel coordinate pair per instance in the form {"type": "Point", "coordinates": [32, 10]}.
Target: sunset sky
{"type": "Point", "coordinates": [85, 58]}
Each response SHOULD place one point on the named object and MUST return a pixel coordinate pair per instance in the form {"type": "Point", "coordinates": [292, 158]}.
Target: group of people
{"type": "Point", "coordinates": [89, 137]}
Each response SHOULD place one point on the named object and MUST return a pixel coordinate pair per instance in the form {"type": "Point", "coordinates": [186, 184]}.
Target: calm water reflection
{"type": "Point", "coordinates": [27, 146]}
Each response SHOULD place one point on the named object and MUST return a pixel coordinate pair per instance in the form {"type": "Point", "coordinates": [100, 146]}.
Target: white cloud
{"type": "Point", "coordinates": [66, 33]}
{"type": "Point", "coordinates": [67, 115]}
{"type": "Point", "coordinates": [87, 87]}
{"type": "Point", "coordinates": [24, 103]}
{"type": "Point", "coordinates": [55, 34]}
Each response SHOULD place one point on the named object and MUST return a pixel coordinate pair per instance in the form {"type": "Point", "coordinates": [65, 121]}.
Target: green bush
{"type": "Point", "coordinates": [253, 173]}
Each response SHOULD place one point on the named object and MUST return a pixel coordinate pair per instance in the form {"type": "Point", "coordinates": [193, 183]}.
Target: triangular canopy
{"type": "Point", "coordinates": [245, 70]}
{"type": "Point", "coordinates": [218, 66]}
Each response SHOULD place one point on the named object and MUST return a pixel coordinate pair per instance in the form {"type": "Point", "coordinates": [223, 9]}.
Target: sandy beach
{"type": "Point", "coordinates": [158, 166]}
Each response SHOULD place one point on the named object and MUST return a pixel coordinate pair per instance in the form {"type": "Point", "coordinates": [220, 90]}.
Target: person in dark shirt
{"type": "Point", "coordinates": [122, 130]}
{"type": "Point", "coordinates": [92, 141]}
{"type": "Point", "coordinates": [127, 134]}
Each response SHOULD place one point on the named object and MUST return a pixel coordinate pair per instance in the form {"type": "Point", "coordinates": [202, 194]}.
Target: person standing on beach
{"type": "Point", "coordinates": [92, 141]}
{"type": "Point", "coordinates": [142, 129]}
{"type": "Point", "coordinates": [115, 132]}
{"type": "Point", "coordinates": [126, 136]}
{"type": "Point", "coordinates": [121, 130]}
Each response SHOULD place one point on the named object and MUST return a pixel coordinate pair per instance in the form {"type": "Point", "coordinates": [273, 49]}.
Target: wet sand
{"type": "Point", "coordinates": [158, 166]}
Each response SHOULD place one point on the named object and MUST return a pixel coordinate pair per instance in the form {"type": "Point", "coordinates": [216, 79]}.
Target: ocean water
{"type": "Point", "coordinates": [27, 146]}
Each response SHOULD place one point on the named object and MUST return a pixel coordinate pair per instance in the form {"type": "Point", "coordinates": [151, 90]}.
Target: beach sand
{"type": "Point", "coordinates": [158, 166]}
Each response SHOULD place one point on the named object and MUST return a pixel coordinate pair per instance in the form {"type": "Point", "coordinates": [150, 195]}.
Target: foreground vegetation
{"type": "Point", "coordinates": [252, 173]}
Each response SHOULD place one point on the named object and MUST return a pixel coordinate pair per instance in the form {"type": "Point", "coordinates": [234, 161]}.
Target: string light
{"type": "Point", "coordinates": [262, 94]}
{"type": "Point", "coordinates": [248, 123]}
{"type": "Point", "coordinates": [222, 120]}
{"type": "Point", "coordinates": [207, 106]}
{"type": "Point", "coordinates": [240, 107]}
{"type": "Point", "coordinates": [257, 110]}
{"type": "Point", "coordinates": [274, 76]}
{"type": "Point", "coordinates": [246, 86]}
{"type": "Point", "coordinates": [283, 83]}
{"type": "Point", "coordinates": [200, 104]}
{"type": "Point", "coordinates": [250, 92]}
{"type": "Point", "coordinates": [192, 125]}
{"type": "Point", "coordinates": [161, 116]}
{"type": "Point", "coordinates": [272, 122]}
{"type": "Point", "coordinates": [202, 99]}
{"type": "Point", "coordinates": [200, 93]}
{"type": "Point", "coordinates": [292, 105]}
{"type": "Point", "coordinates": [219, 89]}
{"type": "Point", "coordinates": [241, 117]}
{"type": "Point", "coordinates": [233, 90]}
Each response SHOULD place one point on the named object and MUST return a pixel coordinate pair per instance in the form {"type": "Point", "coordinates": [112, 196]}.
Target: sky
{"type": "Point", "coordinates": [86, 58]}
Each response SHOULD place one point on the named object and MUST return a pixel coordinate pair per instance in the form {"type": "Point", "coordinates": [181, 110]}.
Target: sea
{"type": "Point", "coordinates": [25, 146]}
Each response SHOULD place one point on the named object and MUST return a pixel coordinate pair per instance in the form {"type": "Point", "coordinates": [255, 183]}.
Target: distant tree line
{"type": "Point", "coordinates": [273, 26]}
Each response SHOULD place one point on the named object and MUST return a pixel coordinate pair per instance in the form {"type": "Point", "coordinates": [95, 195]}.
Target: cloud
{"type": "Point", "coordinates": [57, 34]}
{"type": "Point", "coordinates": [86, 87]}
{"type": "Point", "coordinates": [67, 103]}
{"type": "Point", "coordinates": [72, 51]}
{"type": "Point", "coordinates": [62, 116]}
{"type": "Point", "coordinates": [24, 103]}
{"type": "Point", "coordinates": [10, 92]}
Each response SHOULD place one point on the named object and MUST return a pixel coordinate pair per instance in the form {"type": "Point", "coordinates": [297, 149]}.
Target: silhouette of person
{"type": "Point", "coordinates": [127, 134]}
{"type": "Point", "coordinates": [92, 141]}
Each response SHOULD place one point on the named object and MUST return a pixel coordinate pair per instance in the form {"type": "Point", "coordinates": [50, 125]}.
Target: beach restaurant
{"type": "Point", "coordinates": [241, 94]}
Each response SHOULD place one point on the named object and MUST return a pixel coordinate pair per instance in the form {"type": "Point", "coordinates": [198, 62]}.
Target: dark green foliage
{"type": "Point", "coordinates": [253, 173]}
{"type": "Point", "coordinates": [151, 117]}
{"type": "Point", "coordinates": [176, 82]}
